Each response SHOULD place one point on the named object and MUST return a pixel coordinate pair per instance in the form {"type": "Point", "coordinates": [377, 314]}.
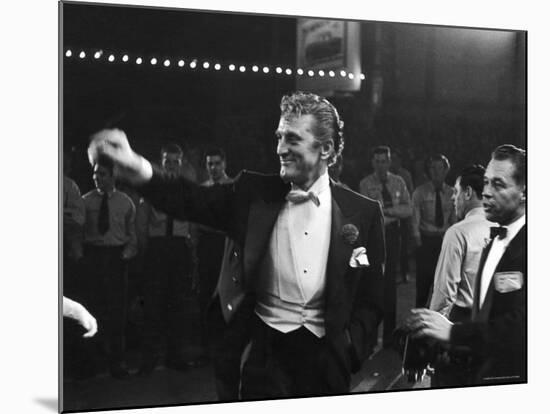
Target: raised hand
{"type": "Point", "coordinates": [113, 144]}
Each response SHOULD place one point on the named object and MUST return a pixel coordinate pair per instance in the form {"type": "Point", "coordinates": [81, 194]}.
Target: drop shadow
{"type": "Point", "coordinates": [49, 403]}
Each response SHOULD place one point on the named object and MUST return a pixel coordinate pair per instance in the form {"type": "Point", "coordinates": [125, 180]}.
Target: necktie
{"type": "Point", "coordinates": [438, 209]}
{"type": "Point", "coordinates": [169, 226]}
{"type": "Point", "coordinates": [299, 196]}
{"type": "Point", "coordinates": [499, 232]}
{"type": "Point", "coordinates": [103, 218]}
{"type": "Point", "coordinates": [386, 196]}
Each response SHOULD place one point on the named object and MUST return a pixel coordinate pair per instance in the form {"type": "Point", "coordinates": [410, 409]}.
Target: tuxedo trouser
{"type": "Point", "coordinates": [293, 364]}
{"type": "Point", "coordinates": [426, 262]}
{"type": "Point", "coordinates": [166, 265]}
{"type": "Point", "coordinates": [390, 288]}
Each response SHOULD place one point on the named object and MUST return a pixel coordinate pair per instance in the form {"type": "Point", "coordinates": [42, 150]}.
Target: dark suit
{"type": "Point", "coordinates": [497, 333]}
{"type": "Point", "coordinates": [247, 210]}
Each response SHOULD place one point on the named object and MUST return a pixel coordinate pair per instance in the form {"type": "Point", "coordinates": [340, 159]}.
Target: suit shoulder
{"type": "Point", "coordinates": [355, 197]}
{"type": "Point", "coordinates": [267, 186]}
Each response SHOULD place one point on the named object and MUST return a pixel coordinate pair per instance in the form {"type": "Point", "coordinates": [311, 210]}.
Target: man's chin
{"type": "Point", "coordinates": [285, 175]}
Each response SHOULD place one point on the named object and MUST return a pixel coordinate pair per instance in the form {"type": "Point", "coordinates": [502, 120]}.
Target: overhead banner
{"type": "Point", "coordinates": [328, 45]}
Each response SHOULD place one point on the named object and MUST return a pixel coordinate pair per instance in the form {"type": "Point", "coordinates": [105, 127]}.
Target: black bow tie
{"type": "Point", "coordinates": [499, 232]}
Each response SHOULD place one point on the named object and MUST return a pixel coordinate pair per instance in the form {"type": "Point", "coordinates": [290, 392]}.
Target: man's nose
{"type": "Point", "coordinates": [282, 148]}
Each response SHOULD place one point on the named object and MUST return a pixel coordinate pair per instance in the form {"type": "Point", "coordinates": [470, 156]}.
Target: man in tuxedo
{"type": "Point", "coordinates": [305, 276]}
{"type": "Point", "coordinates": [495, 337]}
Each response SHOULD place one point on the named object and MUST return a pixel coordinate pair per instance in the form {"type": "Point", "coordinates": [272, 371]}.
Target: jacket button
{"type": "Point", "coordinates": [229, 307]}
{"type": "Point", "coordinates": [235, 279]}
{"type": "Point", "coordinates": [235, 253]}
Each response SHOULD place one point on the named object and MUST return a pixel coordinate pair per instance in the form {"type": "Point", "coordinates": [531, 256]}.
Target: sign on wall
{"type": "Point", "coordinates": [330, 48]}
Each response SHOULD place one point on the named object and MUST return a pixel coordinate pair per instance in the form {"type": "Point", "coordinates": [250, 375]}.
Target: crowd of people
{"type": "Point", "coordinates": [293, 273]}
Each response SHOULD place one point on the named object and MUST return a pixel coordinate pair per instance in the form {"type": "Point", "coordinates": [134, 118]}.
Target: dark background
{"type": "Point", "coordinates": [459, 91]}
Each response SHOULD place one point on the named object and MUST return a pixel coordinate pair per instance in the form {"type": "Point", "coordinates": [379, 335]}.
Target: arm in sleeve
{"type": "Point", "coordinates": [415, 222]}
{"type": "Point", "coordinates": [188, 201]}
{"type": "Point", "coordinates": [448, 273]}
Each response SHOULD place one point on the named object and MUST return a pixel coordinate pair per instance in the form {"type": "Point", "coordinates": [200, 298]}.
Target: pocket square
{"type": "Point", "coordinates": [508, 281]}
{"type": "Point", "coordinates": [359, 258]}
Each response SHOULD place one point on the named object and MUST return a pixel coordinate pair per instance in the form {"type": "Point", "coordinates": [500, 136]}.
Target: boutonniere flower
{"type": "Point", "coordinates": [350, 234]}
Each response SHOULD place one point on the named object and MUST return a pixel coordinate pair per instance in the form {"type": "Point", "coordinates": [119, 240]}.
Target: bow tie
{"type": "Point", "coordinates": [300, 196]}
{"type": "Point", "coordinates": [499, 232]}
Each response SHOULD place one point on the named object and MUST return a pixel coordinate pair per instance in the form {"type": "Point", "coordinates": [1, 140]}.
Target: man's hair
{"type": "Point", "coordinates": [516, 156]}
{"type": "Point", "coordinates": [433, 158]}
{"type": "Point", "coordinates": [328, 127]}
{"type": "Point", "coordinates": [472, 176]}
{"type": "Point", "coordinates": [382, 149]}
{"type": "Point", "coordinates": [215, 151]}
{"type": "Point", "coordinates": [171, 148]}
{"type": "Point", "coordinates": [107, 163]}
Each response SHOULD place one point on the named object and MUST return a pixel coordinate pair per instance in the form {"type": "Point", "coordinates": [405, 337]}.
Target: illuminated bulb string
{"type": "Point", "coordinates": [100, 55]}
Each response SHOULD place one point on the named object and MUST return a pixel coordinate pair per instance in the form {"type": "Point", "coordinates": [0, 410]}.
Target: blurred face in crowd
{"type": "Point", "coordinates": [303, 158]}
{"type": "Point", "coordinates": [103, 178]}
{"type": "Point", "coordinates": [171, 162]}
{"type": "Point", "coordinates": [215, 165]}
{"type": "Point", "coordinates": [503, 196]}
{"type": "Point", "coordinates": [460, 198]}
{"type": "Point", "coordinates": [438, 172]}
{"type": "Point", "coordinates": [381, 165]}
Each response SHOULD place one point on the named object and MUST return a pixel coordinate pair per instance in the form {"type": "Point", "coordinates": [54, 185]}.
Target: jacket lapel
{"type": "Point", "coordinates": [485, 253]}
{"type": "Point", "coordinates": [339, 251]}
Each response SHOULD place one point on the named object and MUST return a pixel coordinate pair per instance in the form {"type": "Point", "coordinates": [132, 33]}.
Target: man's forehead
{"type": "Point", "coordinates": [503, 169]}
{"type": "Point", "coordinates": [171, 156]}
{"type": "Point", "coordinates": [213, 158]}
{"type": "Point", "coordinates": [296, 122]}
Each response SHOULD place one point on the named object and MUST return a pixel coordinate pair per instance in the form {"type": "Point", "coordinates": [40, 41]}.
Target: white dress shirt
{"type": "Point", "coordinates": [458, 263]}
{"type": "Point", "coordinates": [495, 254]}
{"type": "Point", "coordinates": [292, 281]}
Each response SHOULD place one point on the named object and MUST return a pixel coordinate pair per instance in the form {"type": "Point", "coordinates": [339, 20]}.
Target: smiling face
{"type": "Point", "coordinates": [503, 196]}
{"type": "Point", "coordinates": [303, 159]}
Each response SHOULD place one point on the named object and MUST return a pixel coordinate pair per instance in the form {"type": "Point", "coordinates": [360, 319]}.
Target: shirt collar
{"type": "Point", "coordinates": [320, 185]}
{"type": "Point", "coordinates": [515, 227]}
{"type": "Point", "coordinates": [109, 193]}
{"type": "Point", "coordinates": [476, 211]}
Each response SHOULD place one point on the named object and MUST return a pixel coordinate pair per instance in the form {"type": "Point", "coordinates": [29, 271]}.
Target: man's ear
{"type": "Point", "coordinates": [327, 148]}
{"type": "Point", "coordinates": [469, 192]}
{"type": "Point", "coordinates": [524, 194]}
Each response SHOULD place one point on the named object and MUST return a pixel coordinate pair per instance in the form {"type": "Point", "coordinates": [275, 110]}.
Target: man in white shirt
{"type": "Point", "coordinates": [496, 334]}
{"type": "Point", "coordinates": [304, 281]}
{"type": "Point", "coordinates": [458, 264]}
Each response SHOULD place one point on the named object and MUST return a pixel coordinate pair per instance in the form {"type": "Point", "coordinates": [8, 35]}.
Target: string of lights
{"type": "Point", "coordinates": [100, 55]}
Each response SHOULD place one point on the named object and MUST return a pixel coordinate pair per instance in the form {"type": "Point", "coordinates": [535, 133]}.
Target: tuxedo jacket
{"type": "Point", "coordinates": [496, 335]}
{"type": "Point", "coordinates": [247, 210]}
